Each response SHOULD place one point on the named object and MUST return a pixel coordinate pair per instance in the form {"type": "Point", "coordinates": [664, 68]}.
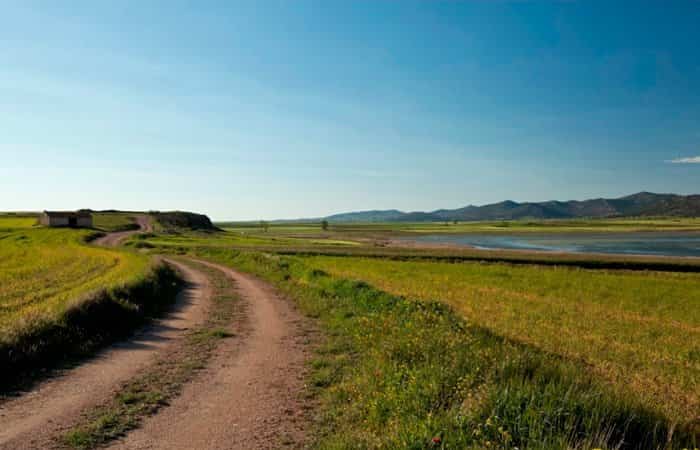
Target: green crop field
{"type": "Point", "coordinates": [45, 271]}
{"type": "Point", "coordinates": [8, 223]}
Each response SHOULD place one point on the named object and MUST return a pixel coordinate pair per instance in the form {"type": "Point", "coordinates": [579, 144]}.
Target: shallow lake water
{"type": "Point", "coordinates": [643, 243]}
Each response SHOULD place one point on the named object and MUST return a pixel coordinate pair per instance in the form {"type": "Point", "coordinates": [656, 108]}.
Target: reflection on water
{"type": "Point", "coordinates": [648, 243]}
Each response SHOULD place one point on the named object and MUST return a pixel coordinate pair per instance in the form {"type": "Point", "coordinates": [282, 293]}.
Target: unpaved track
{"type": "Point", "coordinates": [34, 419]}
{"type": "Point", "coordinates": [115, 239]}
{"type": "Point", "coordinates": [249, 397]}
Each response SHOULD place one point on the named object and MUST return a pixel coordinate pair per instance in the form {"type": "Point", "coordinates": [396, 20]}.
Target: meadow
{"type": "Point", "coordinates": [397, 372]}
{"type": "Point", "coordinates": [638, 330]}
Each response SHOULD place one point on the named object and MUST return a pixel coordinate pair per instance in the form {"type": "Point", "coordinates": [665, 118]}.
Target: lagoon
{"type": "Point", "coordinates": [637, 243]}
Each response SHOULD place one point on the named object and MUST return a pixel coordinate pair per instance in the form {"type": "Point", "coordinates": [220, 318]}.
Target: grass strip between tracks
{"type": "Point", "coordinates": [157, 386]}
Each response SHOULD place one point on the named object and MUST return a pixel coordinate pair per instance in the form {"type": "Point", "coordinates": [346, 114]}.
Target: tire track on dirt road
{"type": "Point", "coordinates": [250, 395]}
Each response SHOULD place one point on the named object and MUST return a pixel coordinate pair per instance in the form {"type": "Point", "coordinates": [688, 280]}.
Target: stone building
{"type": "Point", "coordinates": [72, 219]}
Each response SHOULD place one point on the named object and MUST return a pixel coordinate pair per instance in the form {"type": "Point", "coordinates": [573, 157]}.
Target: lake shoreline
{"type": "Point", "coordinates": [686, 246]}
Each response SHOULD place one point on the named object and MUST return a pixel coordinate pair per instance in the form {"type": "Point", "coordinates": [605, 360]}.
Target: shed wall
{"type": "Point", "coordinates": [85, 222]}
{"type": "Point", "coordinates": [58, 221]}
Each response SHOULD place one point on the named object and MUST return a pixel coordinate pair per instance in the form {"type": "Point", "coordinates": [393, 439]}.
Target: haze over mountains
{"type": "Point", "coordinates": [641, 204]}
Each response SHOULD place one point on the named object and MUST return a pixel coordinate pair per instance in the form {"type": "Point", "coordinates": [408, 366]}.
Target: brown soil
{"type": "Point", "coordinates": [250, 395]}
{"type": "Point", "coordinates": [34, 419]}
{"type": "Point", "coordinates": [115, 239]}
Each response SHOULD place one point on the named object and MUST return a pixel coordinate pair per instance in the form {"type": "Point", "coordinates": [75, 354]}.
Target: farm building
{"type": "Point", "coordinates": [77, 219]}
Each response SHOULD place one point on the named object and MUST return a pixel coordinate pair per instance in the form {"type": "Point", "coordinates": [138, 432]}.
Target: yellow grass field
{"type": "Point", "coordinates": [8, 223]}
{"type": "Point", "coordinates": [42, 271]}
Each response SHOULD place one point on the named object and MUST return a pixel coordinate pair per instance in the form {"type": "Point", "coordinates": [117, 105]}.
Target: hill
{"type": "Point", "coordinates": [641, 204]}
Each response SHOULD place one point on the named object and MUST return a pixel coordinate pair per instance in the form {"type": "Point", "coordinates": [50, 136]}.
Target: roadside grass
{"type": "Point", "coordinates": [638, 330]}
{"type": "Point", "coordinates": [148, 392]}
{"type": "Point", "coordinates": [61, 298]}
{"type": "Point", "coordinates": [398, 373]}
{"type": "Point", "coordinates": [111, 222]}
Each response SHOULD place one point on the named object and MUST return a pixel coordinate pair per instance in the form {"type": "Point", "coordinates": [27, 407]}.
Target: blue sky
{"type": "Point", "coordinates": [280, 109]}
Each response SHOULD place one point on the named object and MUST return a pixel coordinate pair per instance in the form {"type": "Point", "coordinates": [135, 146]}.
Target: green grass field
{"type": "Point", "coordinates": [41, 270]}
{"type": "Point", "coordinates": [397, 372]}
{"type": "Point", "coordinates": [638, 330]}
{"type": "Point", "coordinates": [9, 223]}
{"type": "Point", "coordinates": [45, 273]}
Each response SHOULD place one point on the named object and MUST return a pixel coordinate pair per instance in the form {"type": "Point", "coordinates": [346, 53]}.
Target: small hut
{"type": "Point", "coordinates": [72, 219]}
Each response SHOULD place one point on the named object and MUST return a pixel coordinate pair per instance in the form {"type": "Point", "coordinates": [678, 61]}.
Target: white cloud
{"type": "Point", "coordinates": [689, 160]}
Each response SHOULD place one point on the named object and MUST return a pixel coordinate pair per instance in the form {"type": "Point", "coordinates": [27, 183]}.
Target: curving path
{"type": "Point", "coordinates": [115, 239]}
{"type": "Point", "coordinates": [249, 396]}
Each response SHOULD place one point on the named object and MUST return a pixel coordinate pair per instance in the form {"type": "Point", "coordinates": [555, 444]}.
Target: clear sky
{"type": "Point", "coordinates": [281, 109]}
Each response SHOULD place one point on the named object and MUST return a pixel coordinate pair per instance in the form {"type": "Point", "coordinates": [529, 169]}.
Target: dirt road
{"type": "Point", "coordinates": [114, 239]}
{"type": "Point", "coordinates": [34, 419]}
{"type": "Point", "coordinates": [249, 397]}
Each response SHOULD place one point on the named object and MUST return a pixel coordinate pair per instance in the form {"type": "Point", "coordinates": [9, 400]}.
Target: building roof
{"type": "Point", "coordinates": [68, 213]}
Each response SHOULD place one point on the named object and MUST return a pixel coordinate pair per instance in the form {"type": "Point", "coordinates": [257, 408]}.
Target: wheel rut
{"type": "Point", "coordinates": [250, 395]}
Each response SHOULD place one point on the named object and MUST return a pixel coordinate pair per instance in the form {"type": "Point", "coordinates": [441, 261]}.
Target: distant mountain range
{"type": "Point", "coordinates": [641, 204]}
